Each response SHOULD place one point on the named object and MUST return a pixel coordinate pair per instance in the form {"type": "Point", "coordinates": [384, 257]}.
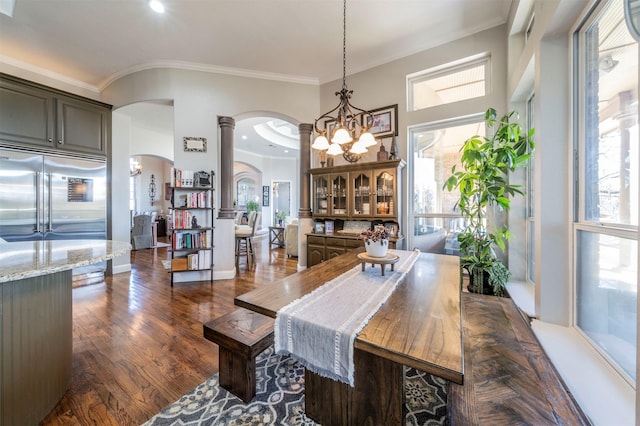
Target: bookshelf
{"type": "Point", "coordinates": [192, 214]}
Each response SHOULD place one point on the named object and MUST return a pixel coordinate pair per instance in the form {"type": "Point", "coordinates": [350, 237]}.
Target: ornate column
{"type": "Point", "coordinates": [226, 124]}
{"type": "Point", "coordinates": [305, 219]}
{"type": "Point", "coordinates": [305, 164]}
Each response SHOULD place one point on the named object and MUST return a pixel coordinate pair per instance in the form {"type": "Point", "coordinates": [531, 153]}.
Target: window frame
{"type": "Point", "coordinates": [579, 222]}
{"type": "Point", "coordinates": [447, 69]}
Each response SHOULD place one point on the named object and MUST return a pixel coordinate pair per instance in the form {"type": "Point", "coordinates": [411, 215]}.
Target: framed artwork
{"type": "Point", "coordinates": [328, 227]}
{"type": "Point", "coordinates": [265, 196]}
{"type": "Point", "coordinates": [319, 228]}
{"type": "Point", "coordinates": [194, 144]}
{"type": "Point", "coordinates": [383, 122]}
{"type": "Point", "coordinates": [168, 191]}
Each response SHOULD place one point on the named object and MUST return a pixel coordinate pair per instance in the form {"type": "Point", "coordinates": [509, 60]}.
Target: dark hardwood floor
{"type": "Point", "coordinates": [138, 343]}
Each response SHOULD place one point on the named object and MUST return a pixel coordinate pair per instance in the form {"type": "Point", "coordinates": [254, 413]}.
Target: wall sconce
{"type": "Point", "coordinates": [152, 189]}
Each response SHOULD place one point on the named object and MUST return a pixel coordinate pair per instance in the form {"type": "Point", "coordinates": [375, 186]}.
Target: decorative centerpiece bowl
{"type": "Point", "coordinates": [376, 241]}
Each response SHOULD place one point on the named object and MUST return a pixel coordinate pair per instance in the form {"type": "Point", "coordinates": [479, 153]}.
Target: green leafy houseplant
{"type": "Point", "coordinates": [252, 206]}
{"type": "Point", "coordinates": [483, 183]}
{"type": "Point", "coordinates": [281, 215]}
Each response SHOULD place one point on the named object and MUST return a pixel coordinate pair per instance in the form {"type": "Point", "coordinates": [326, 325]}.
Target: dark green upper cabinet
{"type": "Point", "coordinates": [26, 114]}
{"type": "Point", "coordinates": [36, 116]}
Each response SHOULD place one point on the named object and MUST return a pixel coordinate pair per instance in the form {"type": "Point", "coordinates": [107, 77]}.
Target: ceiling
{"type": "Point", "coordinates": [93, 42]}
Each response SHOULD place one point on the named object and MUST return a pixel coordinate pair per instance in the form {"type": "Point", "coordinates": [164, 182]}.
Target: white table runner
{"type": "Point", "coordinates": [319, 328]}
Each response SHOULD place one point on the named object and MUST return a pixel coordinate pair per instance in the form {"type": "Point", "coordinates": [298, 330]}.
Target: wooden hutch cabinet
{"type": "Point", "coordinates": [367, 192]}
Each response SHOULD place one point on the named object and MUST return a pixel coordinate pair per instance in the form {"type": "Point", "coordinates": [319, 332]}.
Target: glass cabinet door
{"type": "Point", "coordinates": [321, 195]}
{"type": "Point", "coordinates": [339, 195]}
{"type": "Point", "coordinates": [361, 192]}
{"type": "Point", "coordinates": [385, 193]}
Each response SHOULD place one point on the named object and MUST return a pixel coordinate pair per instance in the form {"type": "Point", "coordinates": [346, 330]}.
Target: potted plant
{"type": "Point", "coordinates": [281, 215]}
{"type": "Point", "coordinates": [252, 206]}
{"type": "Point", "coordinates": [483, 183]}
{"type": "Point", "coordinates": [376, 241]}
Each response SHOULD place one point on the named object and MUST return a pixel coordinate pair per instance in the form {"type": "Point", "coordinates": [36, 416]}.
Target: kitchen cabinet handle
{"type": "Point", "coordinates": [60, 142]}
{"type": "Point", "coordinates": [38, 207]}
{"type": "Point", "coordinates": [49, 228]}
{"type": "Point", "coordinates": [50, 140]}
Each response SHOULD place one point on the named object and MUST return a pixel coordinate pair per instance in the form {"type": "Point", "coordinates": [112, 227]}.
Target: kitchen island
{"type": "Point", "coordinates": [36, 321]}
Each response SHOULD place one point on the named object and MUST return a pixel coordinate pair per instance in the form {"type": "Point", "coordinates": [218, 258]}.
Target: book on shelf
{"type": "Point", "coordinates": [185, 240]}
{"type": "Point", "coordinates": [181, 178]}
{"type": "Point", "coordinates": [204, 259]}
{"type": "Point", "coordinates": [192, 262]}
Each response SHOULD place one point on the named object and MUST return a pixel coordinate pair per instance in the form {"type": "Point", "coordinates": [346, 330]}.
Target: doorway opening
{"type": "Point", "coordinates": [281, 201]}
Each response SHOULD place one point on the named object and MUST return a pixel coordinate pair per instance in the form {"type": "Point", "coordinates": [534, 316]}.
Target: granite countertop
{"type": "Point", "coordinates": [34, 258]}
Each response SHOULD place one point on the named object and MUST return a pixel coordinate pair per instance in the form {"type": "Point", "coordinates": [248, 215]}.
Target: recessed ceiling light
{"type": "Point", "coordinates": [157, 6]}
{"type": "Point", "coordinates": [286, 150]}
{"type": "Point", "coordinates": [244, 137]}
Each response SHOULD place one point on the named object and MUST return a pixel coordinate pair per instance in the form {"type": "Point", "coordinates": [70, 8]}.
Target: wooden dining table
{"type": "Point", "coordinates": [419, 326]}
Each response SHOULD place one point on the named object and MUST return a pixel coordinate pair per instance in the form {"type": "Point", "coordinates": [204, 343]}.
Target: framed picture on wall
{"type": "Point", "coordinates": [195, 144]}
{"type": "Point", "coordinates": [383, 122]}
{"type": "Point", "coordinates": [168, 191]}
{"type": "Point", "coordinates": [265, 196]}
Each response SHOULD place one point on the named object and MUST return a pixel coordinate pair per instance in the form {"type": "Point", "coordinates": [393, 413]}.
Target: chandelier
{"type": "Point", "coordinates": [135, 168]}
{"type": "Point", "coordinates": [337, 133]}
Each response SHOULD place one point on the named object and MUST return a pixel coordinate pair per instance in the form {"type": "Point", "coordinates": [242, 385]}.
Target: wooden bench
{"type": "Point", "coordinates": [240, 335]}
{"type": "Point", "coordinates": [508, 378]}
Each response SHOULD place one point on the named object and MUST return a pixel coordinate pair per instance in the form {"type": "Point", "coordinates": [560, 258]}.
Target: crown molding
{"type": "Point", "coordinates": [214, 69]}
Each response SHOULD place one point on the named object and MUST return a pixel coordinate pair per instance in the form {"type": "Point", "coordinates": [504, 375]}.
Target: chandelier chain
{"type": "Point", "coordinates": [344, 44]}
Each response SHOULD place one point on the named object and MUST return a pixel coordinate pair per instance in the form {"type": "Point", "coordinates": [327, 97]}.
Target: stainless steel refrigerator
{"type": "Point", "coordinates": [51, 197]}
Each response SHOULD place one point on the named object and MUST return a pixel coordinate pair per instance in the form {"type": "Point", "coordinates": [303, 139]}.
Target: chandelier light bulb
{"type": "Point", "coordinates": [367, 140]}
{"type": "Point", "coordinates": [320, 143]}
{"type": "Point", "coordinates": [334, 149]}
{"type": "Point", "coordinates": [341, 136]}
{"type": "Point", "coordinates": [358, 148]}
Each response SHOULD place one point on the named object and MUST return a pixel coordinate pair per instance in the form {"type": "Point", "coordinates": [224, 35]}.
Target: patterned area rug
{"type": "Point", "coordinates": [280, 399]}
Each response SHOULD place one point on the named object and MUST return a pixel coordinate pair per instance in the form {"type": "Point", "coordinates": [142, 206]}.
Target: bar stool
{"type": "Point", "coordinates": [244, 239]}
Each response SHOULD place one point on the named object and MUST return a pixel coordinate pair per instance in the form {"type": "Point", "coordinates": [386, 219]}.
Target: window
{"type": "Point", "coordinates": [436, 148]}
{"type": "Point", "coordinates": [605, 234]}
{"type": "Point", "coordinates": [246, 191]}
{"type": "Point", "coordinates": [453, 82]}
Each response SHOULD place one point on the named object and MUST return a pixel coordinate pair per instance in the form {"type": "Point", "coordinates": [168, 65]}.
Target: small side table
{"type": "Point", "coordinates": [389, 259]}
{"type": "Point", "coordinates": [276, 236]}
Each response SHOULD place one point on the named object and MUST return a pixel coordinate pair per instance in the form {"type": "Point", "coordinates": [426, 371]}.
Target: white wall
{"type": "Point", "coordinates": [120, 229]}
{"type": "Point", "coordinates": [159, 168]}
{"type": "Point", "coordinates": [145, 141]}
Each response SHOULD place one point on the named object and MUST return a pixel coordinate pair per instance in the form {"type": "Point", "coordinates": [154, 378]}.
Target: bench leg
{"type": "Point", "coordinates": [237, 374]}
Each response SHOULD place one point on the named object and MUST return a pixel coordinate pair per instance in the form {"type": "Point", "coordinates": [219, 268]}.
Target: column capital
{"type": "Point", "coordinates": [305, 127]}
{"type": "Point", "coordinates": [225, 121]}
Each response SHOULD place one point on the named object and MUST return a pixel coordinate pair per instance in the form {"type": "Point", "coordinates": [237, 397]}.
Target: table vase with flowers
{"type": "Point", "coordinates": [376, 241]}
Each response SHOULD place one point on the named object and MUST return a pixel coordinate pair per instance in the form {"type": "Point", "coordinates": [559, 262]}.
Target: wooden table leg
{"type": "Point", "coordinates": [377, 397]}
